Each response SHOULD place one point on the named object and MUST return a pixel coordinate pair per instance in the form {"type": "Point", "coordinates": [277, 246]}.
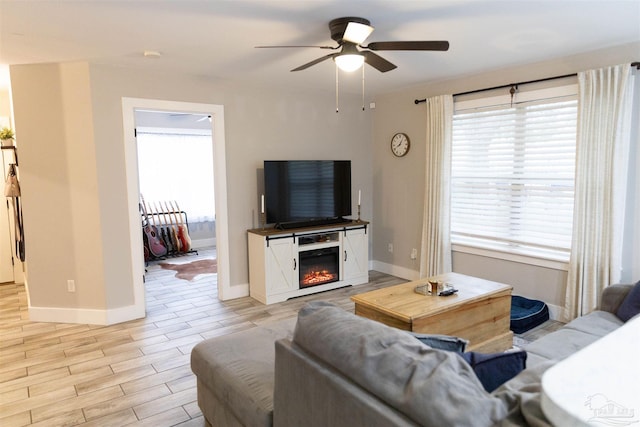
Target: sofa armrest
{"type": "Point", "coordinates": [612, 297]}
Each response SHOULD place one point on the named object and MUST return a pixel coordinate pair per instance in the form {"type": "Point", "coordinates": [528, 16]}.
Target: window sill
{"type": "Point", "coordinates": [555, 264]}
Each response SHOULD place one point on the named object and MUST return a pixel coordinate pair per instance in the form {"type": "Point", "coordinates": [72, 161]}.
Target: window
{"type": "Point", "coordinates": [512, 176]}
{"type": "Point", "coordinates": [178, 166]}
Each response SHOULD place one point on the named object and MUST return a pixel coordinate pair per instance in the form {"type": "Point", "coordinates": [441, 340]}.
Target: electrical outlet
{"type": "Point", "coordinates": [71, 285]}
{"type": "Point", "coordinates": [390, 248]}
{"type": "Point", "coordinates": [414, 253]}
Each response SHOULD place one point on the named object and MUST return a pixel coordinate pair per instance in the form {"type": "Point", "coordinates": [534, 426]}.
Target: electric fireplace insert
{"type": "Point", "coordinates": [319, 266]}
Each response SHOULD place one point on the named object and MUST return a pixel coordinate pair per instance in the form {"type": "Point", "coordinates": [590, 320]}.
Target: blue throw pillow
{"type": "Point", "coordinates": [630, 305]}
{"type": "Point", "coordinates": [442, 342]}
{"type": "Point", "coordinates": [493, 370]}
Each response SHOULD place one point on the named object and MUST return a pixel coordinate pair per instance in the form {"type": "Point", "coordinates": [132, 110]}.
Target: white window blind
{"type": "Point", "coordinates": [513, 177]}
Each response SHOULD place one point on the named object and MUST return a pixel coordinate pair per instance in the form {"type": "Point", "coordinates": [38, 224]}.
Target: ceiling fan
{"type": "Point", "coordinates": [202, 117]}
{"type": "Point", "coordinates": [350, 33]}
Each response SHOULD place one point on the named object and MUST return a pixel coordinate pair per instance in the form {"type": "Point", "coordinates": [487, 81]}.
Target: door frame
{"type": "Point", "coordinates": [7, 256]}
{"type": "Point", "coordinates": [129, 105]}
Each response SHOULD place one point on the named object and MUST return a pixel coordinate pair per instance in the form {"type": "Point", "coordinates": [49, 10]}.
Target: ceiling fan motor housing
{"type": "Point", "coordinates": [339, 25]}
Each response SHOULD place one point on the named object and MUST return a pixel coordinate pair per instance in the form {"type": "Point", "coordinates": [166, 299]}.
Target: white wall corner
{"type": "Point", "coordinates": [236, 291]}
{"type": "Point", "coordinates": [555, 312]}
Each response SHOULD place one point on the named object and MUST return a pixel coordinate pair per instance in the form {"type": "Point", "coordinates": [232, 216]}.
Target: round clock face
{"type": "Point", "coordinates": [400, 144]}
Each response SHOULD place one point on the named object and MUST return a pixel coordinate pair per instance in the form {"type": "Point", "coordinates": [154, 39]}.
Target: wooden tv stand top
{"type": "Point", "coordinates": [271, 231]}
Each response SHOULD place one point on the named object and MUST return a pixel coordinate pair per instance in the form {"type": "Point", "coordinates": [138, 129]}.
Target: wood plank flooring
{"type": "Point", "coordinates": [135, 373]}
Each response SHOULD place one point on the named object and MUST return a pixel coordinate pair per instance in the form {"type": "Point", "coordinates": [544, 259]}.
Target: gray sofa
{"type": "Point", "coordinates": [332, 368]}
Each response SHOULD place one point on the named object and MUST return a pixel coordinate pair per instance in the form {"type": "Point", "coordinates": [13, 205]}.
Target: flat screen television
{"type": "Point", "coordinates": [306, 192]}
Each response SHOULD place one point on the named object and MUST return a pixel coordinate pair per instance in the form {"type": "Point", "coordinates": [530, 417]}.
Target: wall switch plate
{"type": "Point", "coordinates": [414, 253]}
{"type": "Point", "coordinates": [390, 247]}
{"type": "Point", "coordinates": [71, 285]}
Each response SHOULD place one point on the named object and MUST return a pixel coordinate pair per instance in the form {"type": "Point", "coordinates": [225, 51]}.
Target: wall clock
{"type": "Point", "coordinates": [400, 144]}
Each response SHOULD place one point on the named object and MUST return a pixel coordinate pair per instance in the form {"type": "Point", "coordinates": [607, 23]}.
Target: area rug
{"type": "Point", "coordinates": [190, 270]}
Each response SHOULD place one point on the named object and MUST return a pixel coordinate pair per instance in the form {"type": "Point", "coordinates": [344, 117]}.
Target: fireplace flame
{"type": "Point", "coordinates": [316, 277]}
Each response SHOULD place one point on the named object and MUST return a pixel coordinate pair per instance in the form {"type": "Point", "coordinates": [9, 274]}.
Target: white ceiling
{"type": "Point", "coordinates": [215, 39]}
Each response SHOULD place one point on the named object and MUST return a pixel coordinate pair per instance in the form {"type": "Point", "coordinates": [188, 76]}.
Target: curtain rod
{"type": "Point", "coordinates": [420, 101]}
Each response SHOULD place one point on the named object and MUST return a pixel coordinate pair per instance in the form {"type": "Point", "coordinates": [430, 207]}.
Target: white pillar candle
{"type": "Point", "coordinates": [359, 194]}
{"type": "Point", "coordinates": [262, 205]}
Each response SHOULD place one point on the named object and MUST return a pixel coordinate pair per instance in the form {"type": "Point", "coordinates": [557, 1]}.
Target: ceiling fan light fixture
{"type": "Point", "coordinates": [356, 32]}
{"type": "Point", "coordinates": [151, 54]}
{"type": "Point", "coordinates": [349, 62]}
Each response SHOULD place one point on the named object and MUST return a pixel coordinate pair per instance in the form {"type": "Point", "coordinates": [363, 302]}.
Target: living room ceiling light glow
{"type": "Point", "coordinates": [349, 62]}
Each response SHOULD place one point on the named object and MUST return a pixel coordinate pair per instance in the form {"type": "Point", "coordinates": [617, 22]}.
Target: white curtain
{"type": "Point", "coordinates": [435, 249]}
{"type": "Point", "coordinates": [178, 167]}
{"type": "Point", "coordinates": [602, 157]}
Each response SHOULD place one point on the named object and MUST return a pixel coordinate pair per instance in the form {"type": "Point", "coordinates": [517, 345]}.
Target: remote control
{"type": "Point", "coordinates": [448, 292]}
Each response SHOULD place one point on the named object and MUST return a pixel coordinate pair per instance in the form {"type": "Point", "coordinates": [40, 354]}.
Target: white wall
{"type": "Point", "coordinates": [63, 239]}
{"type": "Point", "coordinates": [261, 123]}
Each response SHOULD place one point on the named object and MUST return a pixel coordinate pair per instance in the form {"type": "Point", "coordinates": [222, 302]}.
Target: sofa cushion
{"type": "Point", "coordinates": [239, 369]}
{"type": "Point", "coordinates": [421, 382]}
{"type": "Point", "coordinates": [612, 296]}
{"type": "Point", "coordinates": [630, 306]}
{"type": "Point", "coordinates": [560, 344]}
{"type": "Point", "coordinates": [534, 360]}
{"type": "Point", "coordinates": [598, 323]}
{"type": "Point", "coordinates": [495, 369]}
{"type": "Point", "coordinates": [442, 342]}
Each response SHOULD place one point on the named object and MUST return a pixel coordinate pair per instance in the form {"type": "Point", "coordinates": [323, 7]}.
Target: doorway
{"type": "Point", "coordinates": [176, 176]}
{"type": "Point", "coordinates": [216, 113]}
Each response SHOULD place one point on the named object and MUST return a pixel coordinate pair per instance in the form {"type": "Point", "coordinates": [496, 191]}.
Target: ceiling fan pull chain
{"type": "Point", "coordinates": [336, 88]}
{"type": "Point", "coordinates": [363, 88]}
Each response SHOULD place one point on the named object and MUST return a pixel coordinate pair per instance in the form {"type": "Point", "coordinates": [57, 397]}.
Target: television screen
{"type": "Point", "coordinates": [298, 191]}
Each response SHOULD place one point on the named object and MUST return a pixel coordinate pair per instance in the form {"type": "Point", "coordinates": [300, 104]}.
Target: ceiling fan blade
{"type": "Point", "coordinates": [377, 62]}
{"type": "Point", "coordinates": [278, 47]}
{"type": "Point", "coordinates": [314, 62]}
{"type": "Point", "coordinates": [441, 45]}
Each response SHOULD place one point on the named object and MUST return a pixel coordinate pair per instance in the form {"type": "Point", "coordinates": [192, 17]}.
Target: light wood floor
{"type": "Point", "coordinates": [134, 373]}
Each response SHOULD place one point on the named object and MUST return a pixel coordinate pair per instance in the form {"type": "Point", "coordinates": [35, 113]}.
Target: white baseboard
{"type": "Point", "coordinates": [555, 311]}
{"type": "Point", "coordinates": [86, 315]}
{"type": "Point", "coordinates": [394, 270]}
{"type": "Point", "coordinates": [236, 291]}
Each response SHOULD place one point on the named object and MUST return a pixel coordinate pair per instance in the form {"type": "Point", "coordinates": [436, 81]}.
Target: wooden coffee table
{"type": "Point", "coordinates": [479, 311]}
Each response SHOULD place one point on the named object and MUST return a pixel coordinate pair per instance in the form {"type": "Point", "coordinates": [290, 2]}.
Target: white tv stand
{"type": "Point", "coordinates": [274, 258]}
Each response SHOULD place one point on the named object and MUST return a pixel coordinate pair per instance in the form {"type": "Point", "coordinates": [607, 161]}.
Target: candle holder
{"type": "Point", "coordinates": [263, 219]}
{"type": "Point", "coordinates": [358, 212]}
